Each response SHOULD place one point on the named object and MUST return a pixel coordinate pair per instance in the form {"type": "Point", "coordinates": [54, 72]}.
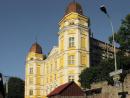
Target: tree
{"type": "Point", "coordinates": [97, 73]}
{"type": "Point", "coordinates": [2, 93]}
{"type": "Point", "coordinates": [123, 61]}
{"type": "Point", "coordinates": [16, 88]}
{"type": "Point", "coordinates": [122, 37]}
{"type": "Point", "coordinates": [100, 72]}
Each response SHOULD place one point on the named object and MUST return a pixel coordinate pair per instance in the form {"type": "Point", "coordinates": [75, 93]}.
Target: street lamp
{"type": "Point", "coordinates": [103, 9]}
{"type": "Point", "coordinates": [114, 74]}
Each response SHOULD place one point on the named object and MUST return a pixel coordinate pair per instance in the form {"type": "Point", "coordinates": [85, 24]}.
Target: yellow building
{"type": "Point", "coordinates": [65, 61]}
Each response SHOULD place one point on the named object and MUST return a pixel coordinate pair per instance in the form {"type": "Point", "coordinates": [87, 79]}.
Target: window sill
{"type": "Point", "coordinates": [71, 48]}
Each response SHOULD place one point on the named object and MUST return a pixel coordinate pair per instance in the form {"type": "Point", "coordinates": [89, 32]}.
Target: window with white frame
{"type": "Point", "coordinates": [71, 59]}
{"type": "Point", "coordinates": [71, 42]}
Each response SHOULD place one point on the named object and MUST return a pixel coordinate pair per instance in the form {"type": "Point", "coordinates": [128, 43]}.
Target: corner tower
{"type": "Point", "coordinates": [34, 72]}
{"type": "Point", "coordinates": [74, 41]}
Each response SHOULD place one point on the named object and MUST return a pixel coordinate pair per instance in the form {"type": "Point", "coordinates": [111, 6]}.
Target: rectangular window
{"type": "Point", "coordinates": [71, 42]}
{"type": "Point", "coordinates": [71, 60]}
{"type": "Point", "coordinates": [31, 92]}
{"type": "Point", "coordinates": [31, 71]}
{"type": "Point", "coordinates": [70, 78]}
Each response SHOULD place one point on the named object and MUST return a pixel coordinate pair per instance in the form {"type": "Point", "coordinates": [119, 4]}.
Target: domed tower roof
{"type": "Point", "coordinates": [74, 7]}
{"type": "Point", "coordinates": [36, 48]}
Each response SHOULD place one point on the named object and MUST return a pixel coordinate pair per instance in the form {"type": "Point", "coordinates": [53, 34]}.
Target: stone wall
{"type": "Point", "coordinates": [109, 91]}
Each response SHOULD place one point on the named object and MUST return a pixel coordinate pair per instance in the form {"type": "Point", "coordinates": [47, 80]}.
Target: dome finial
{"type": "Point", "coordinates": [36, 37]}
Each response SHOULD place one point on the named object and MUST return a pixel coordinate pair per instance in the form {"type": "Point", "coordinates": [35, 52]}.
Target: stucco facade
{"type": "Point", "coordinates": [65, 61]}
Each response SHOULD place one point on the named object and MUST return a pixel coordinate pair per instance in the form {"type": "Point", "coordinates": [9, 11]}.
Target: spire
{"type": "Point", "coordinates": [36, 37]}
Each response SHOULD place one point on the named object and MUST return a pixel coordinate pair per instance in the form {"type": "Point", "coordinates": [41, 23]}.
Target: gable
{"type": "Point", "coordinates": [53, 51]}
{"type": "Point", "coordinates": [72, 90]}
{"type": "Point", "coordinates": [67, 89]}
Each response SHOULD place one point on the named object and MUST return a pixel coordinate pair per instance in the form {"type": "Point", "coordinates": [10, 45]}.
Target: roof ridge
{"type": "Point", "coordinates": [69, 83]}
{"type": "Point", "coordinates": [59, 89]}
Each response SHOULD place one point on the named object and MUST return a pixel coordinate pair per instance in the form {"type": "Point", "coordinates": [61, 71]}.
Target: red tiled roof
{"type": "Point", "coordinates": [59, 89]}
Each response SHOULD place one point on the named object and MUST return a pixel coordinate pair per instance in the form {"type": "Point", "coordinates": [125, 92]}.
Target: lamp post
{"type": "Point", "coordinates": [115, 73]}
{"type": "Point", "coordinates": [103, 9]}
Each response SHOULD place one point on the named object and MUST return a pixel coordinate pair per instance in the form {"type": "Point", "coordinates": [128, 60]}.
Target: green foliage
{"type": "Point", "coordinates": [123, 61]}
{"type": "Point", "coordinates": [122, 37]}
{"type": "Point", "coordinates": [16, 88]}
{"type": "Point", "coordinates": [101, 71]}
{"type": "Point", "coordinates": [97, 73]}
